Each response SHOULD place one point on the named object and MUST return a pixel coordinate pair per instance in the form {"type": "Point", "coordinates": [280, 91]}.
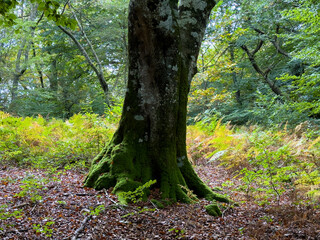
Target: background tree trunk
{"type": "Point", "coordinates": [150, 143]}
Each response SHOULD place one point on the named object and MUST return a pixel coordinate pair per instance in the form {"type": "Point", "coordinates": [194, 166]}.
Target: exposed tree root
{"type": "Point", "coordinates": [115, 167]}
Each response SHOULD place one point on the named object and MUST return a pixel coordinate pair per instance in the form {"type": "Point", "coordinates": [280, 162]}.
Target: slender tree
{"type": "Point", "coordinates": [150, 143]}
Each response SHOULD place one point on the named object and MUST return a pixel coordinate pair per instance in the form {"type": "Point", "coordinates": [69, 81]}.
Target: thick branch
{"type": "Point", "coordinates": [279, 49]}
{"type": "Point", "coordinates": [81, 228]}
{"type": "Point", "coordinates": [18, 70]}
{"type": "Point", "coordinates": [259, 31]}
{"type": "Point", "coordinates": [37, 65]}
{"type": "Point", "coordinates": [276, 44]}
{"type": "Point", "coordinates": [234, 74]}
{"type": "Point", "coordinates": [258, 47]}
{"type": "Point", "coordinates": [262, 73]}
{"type": "Point", "coordinates": [275, 41]}
{"type": "Point", "coordinates": [252, 60]}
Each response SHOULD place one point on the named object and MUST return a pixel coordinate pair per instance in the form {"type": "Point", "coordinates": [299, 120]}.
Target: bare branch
{"type": "Point", "coordinates": [103, 83]}
{"type": "Point", "coordinates": [41, 17]}
{"type": "Point", "coordinates": [87, 40]}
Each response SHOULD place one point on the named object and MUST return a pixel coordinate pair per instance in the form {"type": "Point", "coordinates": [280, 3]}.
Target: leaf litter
{"type": "Point", "coordinates": [66, 210]}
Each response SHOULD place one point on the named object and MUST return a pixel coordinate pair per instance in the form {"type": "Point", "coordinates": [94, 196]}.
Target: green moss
{"type": "Point", "coordinates": [158, 203]}
{"type": "Point", "coordinates": [167, 202]}
{"type": "Point", "coordinates": [218, 197]}
{"type": "Point", "coordinates": [125, 184]}
{"type": "Point", "coordinates": [122, 157]}
{"type": "Point", "coordinates": [105, 181]}
{"type": "Point", "coordinates": [126, 164]}
{"type": "Point", "coordinates": [99, 156]}
{"type": "Point", "coordinates": [217, 189]}
{"type": "Point", "coordinates": [213, 210]}
{"type": "Point", "coordinates": [182, 196]}
{"type": "Point", "coordinates": [164, 186]}
{"type": "Point", "coordinates": [95, 170]}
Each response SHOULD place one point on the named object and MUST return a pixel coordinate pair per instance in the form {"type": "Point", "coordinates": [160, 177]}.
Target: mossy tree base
{"type": "Point", "coordinates": [150, 143]}
{"type": "Point", "coordinates": [124, 167]}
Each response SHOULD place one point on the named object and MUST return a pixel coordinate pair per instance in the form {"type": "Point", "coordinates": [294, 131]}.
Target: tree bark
{"type": "Point", "coordinates": [53, 77]}
{"type": "Point", "coordinates": [24, 49]}
{"type": "Point", "coordinates": [17, 74]}
{"type": "Point", "coordinates": [150, 143]}
{"type": "Point", "coordinates": [234, 75]}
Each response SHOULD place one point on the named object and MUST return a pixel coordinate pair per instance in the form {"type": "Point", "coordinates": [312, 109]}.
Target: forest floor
{"type": "Point", "coordinates": [62, 209]}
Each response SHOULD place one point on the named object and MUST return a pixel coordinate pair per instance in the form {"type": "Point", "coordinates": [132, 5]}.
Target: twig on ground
{"type": "Point", "coordinates": [21, 205]}
{"type": "Point", "coordinates": [82, 226]}
{"type": "Point", "coordinates": [33, 208]}
{"type": "Point", "coordinates": [153, 204]}
{"type": "Point", "coordinates": [85, 194]}
{"type": "Point", "coordinates": [107, 195]}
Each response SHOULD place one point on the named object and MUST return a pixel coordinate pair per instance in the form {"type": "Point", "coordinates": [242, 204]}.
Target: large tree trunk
{"type": "Point", "coordinates": [150, 143]}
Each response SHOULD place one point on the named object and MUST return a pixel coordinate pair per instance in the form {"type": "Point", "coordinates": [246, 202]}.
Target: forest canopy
{"type": "Point", "coordinates": [259, 61]}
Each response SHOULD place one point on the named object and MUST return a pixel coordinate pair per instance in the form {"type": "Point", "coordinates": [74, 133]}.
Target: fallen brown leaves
{"type": "Point", "coordinates": [67, 205]}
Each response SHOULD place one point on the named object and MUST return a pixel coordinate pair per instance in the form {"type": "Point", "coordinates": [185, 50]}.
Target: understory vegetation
{"type": "Point", "coordinates": [39, 143]}
{"type": "Point", "coordinates": [268, 162]}
{"type": "Point", "coordinates": [275, 169]}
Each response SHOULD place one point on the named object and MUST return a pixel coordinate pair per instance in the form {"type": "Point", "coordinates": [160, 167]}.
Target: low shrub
{"type": "Point", "coordinates": [268, 162]}
{"type": "Point", "coordinates": [37, 142]}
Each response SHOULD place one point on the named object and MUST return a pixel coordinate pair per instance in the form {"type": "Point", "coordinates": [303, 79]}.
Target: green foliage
{"type": "Point", "coordinates": [51, 76]}
{"type": "Point", "coordinates": [141, 210]}
{"type": "Point", "coordinates": [138, 194]}
{"type": "Point", "coordinates": [231, 87]}
{"type": "Point", "coordinates": [96, 211]}
{"type": "Point", "coordinates": [190, 194]}
{"type": "Point", "coordinates": [178, 232]}
{"type": "Point", "coordinates": [5, 213]}
{"type": "Point", "coordinates": [227, 85]}
{"type": "Point", "coordinates": [62, 202]}
{"type": "Point", "coordinates": [7, 17]}
{"type": "Point", "coordinates": [40, 143]}
{"type": "Point", "coordinates": [31, 187]}
{"type": "Point", "coordinates": [113, 113]}
{"type": "Point", "coordinates": [46, 228]}
{"type": "Point", "coordinates": [37, 101]}
{"type": "Point", "coordinates": [268, 162]}
{"type": "Point", "coordinates": [268, 169]}
{"type": "Point", "coordinates": [306, 86]}
{"type": "Point", "coordinates": [49, 9]}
